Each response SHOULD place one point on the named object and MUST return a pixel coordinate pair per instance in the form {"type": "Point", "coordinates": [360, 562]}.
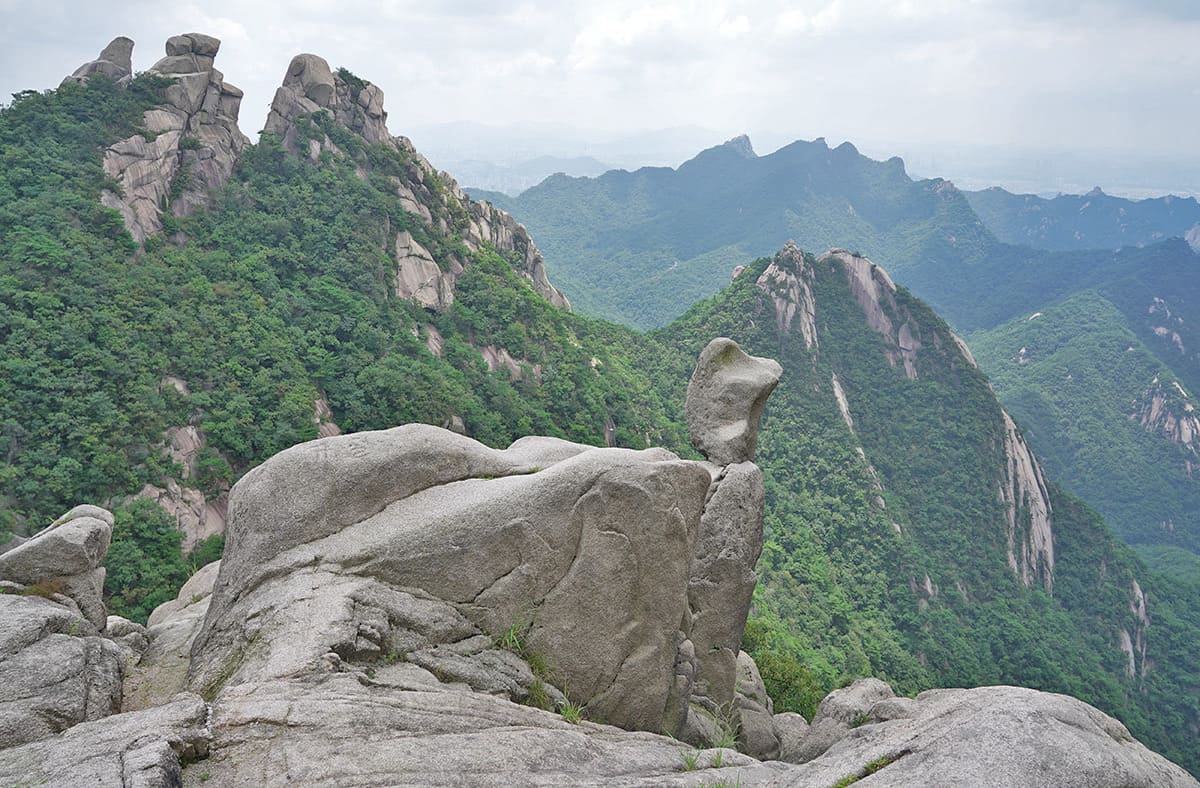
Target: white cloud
{"type": "Point", "coordinates": [1117, 73]}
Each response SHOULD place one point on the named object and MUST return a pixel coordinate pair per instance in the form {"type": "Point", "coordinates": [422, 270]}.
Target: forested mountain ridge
{"type": "Point", "coordinates": [682, 230]}
{"type": "Point", "coordinates": [909, 527]}
{"type": "Point", "coordinates": [261, 315]}
{"type": "Point", "coordinates": [1086, 221]}
{"type": "Point", "coordinates": [638, 246]}
{"type": "Point", "coordinates": [282, 307]}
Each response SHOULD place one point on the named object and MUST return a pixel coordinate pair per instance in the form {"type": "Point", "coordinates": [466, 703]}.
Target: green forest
{"type": "Point", "coordinates": [279, 294]}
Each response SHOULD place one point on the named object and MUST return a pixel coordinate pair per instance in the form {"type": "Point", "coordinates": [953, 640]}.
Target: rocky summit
{"type": "Point", "coordinates": [411, 607]}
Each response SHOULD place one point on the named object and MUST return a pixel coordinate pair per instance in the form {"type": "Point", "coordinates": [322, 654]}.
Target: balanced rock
{"type": "Point", "coordinates": [725, 399]}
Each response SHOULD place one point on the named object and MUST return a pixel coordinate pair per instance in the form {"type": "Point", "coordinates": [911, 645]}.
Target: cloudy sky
{"type": "Point", "coordinates": [1111, 78]}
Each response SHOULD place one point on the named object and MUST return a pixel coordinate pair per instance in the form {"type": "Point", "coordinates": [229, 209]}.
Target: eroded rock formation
{"type": "Point", "coordinates": [192, 140]}
{"type": "Point", "coordinates": [115, 62]}
{"type": "Point", "coordinates": [56, 668]}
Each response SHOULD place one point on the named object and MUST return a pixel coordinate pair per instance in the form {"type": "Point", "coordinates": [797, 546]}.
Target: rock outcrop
{"type": "Point", "coordinates": [788, 280]}
{"type": "Point", "coordinates": [56, 669]}
{"type": "Point", "coordinates": [1168, 411]}
{"type": "Point", "coordinates": [313, 94]}
{"type": "Point", "coordinates": [192, 140]}
{"type": "Point", "coordinates": [1030, 532]}
{"type": "Point", "coordinates": [625, 576]}
{"type": "Point", "coordinates": [115, 62]}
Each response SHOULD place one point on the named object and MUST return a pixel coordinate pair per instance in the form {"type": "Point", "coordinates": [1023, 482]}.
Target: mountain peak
{"type": "Point", "coordinates": [741, 144]}
{"type": "Point", "coordinates": [1095, 192]}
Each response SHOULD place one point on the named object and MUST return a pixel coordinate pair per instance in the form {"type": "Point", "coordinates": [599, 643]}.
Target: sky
{"type": "Point", "coordinates": [1113, 80]}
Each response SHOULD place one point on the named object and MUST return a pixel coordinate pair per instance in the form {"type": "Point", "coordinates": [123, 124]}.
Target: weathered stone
{"type": "Point", "coordinates": [331, 731]}
{"type": "Point", "coordinates": [841, 711]}
{"type": "Point", "coordinates": [725, 399]}
{"type": "Point", "coordinates": [996, 736]}
{"type": "Point", "coordinates": [115, 62]}
{"type": "Point", "coordinates": [193, 43]}
{"type": "Point", "coordinates": [750, 683]}
{"type": "Point", "coordinates": [590, 552]}
{"type": "Point", "coordinates": [143, 748]}
{"type": "Point", "coordinates": [484, 669]}
{"type": "Point", "coordinates": [130, 636]}
{"type": "Point", "coordinates": [119, 52]}
{"type": "Point", "coordinates": [87, 591]}
{"type": "Point", "coordinates": [757, 736]}
{"type": "Point", "coordinates": [721, 577]}
{"type": "Point", "coordinates": [418, 277]}
{"type": "Point", "coordinates": [71, 547]}
{"type": "Point", "coordinates": [313, 75]}
{"type": "Point", "coordinates": [54, 670]}
{"type": "Point", "coordinates": [791, 729]}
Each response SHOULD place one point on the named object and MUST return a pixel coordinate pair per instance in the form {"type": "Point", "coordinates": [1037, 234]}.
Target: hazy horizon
{"type": "Point", "coordinates": [983, 92]}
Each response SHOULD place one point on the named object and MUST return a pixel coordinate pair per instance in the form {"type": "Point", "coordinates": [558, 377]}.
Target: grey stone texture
{"type": "Point", "coordinates": [725, 400]}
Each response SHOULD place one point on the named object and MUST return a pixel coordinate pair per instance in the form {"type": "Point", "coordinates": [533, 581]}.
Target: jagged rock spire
{"type": "Point", "coordinates": [200, 107]}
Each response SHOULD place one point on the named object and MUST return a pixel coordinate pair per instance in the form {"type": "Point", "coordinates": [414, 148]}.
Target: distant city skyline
{"type": "Point", "coordinates": [1112, 82]}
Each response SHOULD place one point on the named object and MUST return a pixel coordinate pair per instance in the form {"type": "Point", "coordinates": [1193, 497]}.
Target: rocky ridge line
{"type": "Point", "coordinates": [311, 89]}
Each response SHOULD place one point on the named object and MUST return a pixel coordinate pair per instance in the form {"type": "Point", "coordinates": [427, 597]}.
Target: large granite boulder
{"type": "Point", "coordinates": [56, 669]}
{"type": "Point", "coordinates": [400, 541]}
{"type": "Point", "coordinates": [996, 736]}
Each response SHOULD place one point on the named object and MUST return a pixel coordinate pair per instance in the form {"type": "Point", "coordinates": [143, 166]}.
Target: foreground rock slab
{"type": "Point", "coordinates": [146, 748]}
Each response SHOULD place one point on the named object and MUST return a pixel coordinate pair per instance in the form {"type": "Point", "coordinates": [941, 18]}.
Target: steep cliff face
{"type": "Point", "coordinates": [313, 96]}
{"type": "Point", "coordinates": [875, 292]}
{"type": "Point", "coordinates": [1021, 490]}
{"type": "Point", "coordinates": [1030, 534]}
{"type": "Point", "coordinates": [191, 143]}
{"type": "Point", "coordinates": [1167, 410]}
